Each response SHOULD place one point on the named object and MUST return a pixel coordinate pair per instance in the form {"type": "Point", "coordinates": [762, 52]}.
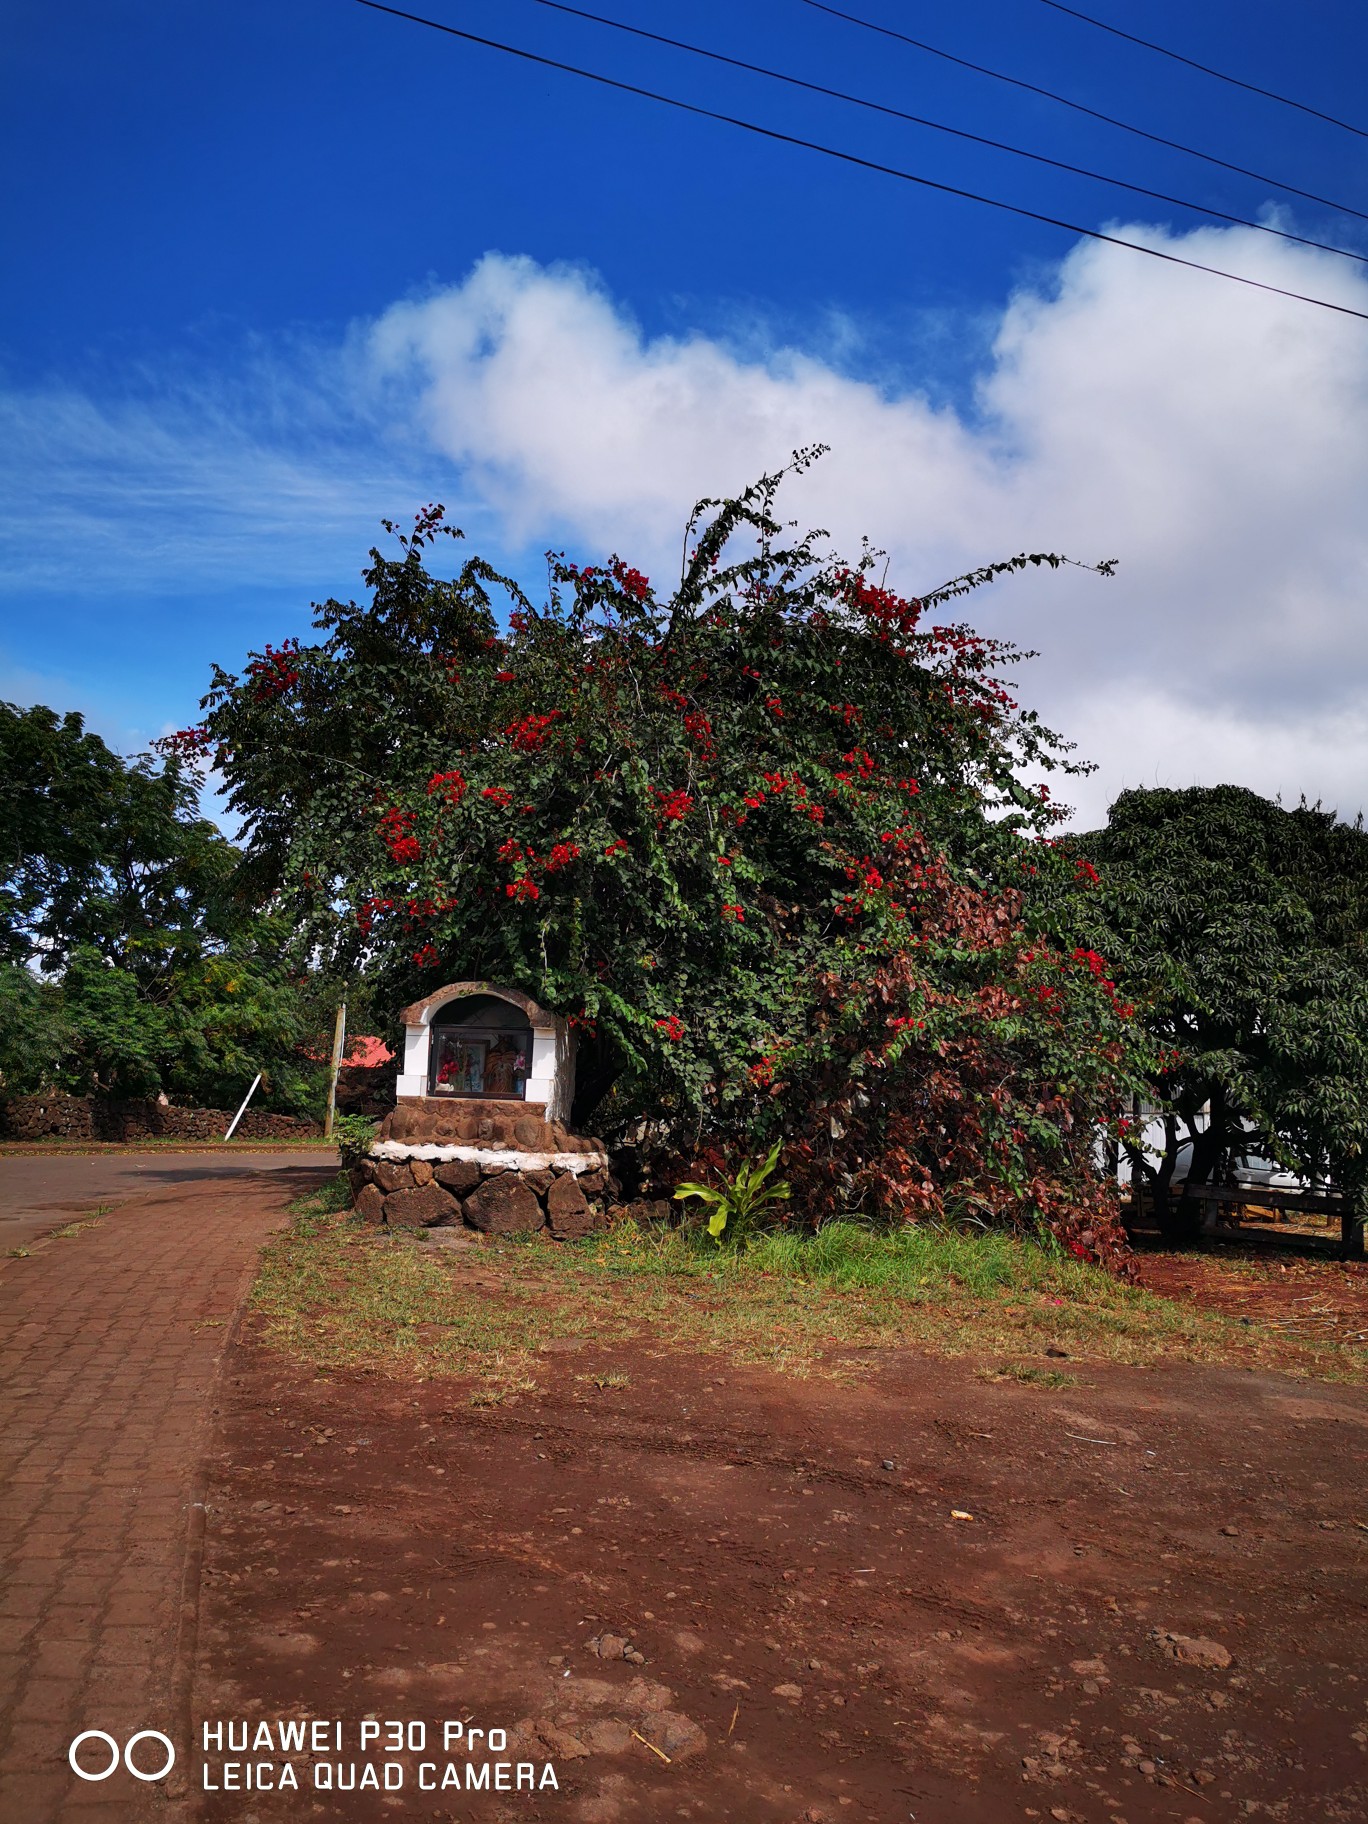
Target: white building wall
{"type": "Point", "coordinates": [413, 1077]}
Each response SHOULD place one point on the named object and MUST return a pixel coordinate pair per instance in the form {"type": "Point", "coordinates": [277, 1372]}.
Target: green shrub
{"type": "Point", "coordinates": [738, 1203]}
{"type": "Point", "coordinates": [354, 1134]}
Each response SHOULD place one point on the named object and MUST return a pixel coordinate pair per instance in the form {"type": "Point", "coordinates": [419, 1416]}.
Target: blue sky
{"type": "Point", "coordinates": [274, 271]}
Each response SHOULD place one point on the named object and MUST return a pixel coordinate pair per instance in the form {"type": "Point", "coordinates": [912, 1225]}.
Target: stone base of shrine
{"type": "Point", "coordinates": [495, 1191]}
{"type": "Point", "coordinates": [498, 1167]}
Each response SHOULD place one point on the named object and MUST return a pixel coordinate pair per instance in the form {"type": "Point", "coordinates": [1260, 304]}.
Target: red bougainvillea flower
{"type": "Point", "coordinates": [427, 521]}
{"type": "Point", "coordinates": [366, 911]}
{"type": "Point", "coordinates": [630, 581]}
{"type": "Point", "coordinates": [450, 786]}
{"type": "Point", "coordinates": [421, 911]}
{"type": "Point", "coordinates": [616, 848]}
{"type": "Point", "coordinates": [189, 743]}
{"type": "Point", "coordinates": [275, 673]}
{"type": "Point", "coordinates": [396, 828]}
{"type": "Point", "coordinates": [698, 725]}
{"type": "Point", "coordinates": [674, 806]}
{"type": "Point", "coordinates": [426, 957]}
{"type": "Point", "coordinates": [530, 734]}
{"type": "Point", "coordinates": [496, 794]}
{"type": "Point", "coordinates": [893, 618]}
{"type": "Point", "coordinates": [672, 1027]}
{"type": "Point", "coordinates": [523, 888]}
{"type": "Point", "coordinates": [736, 913]}
{"type": "Point", "coordinates": [860, 757]}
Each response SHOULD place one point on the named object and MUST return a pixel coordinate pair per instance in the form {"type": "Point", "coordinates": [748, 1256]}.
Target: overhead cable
{"type": "Point", "coordinates": [1111, 120]}
{"type": "Point", "coordinates": [1206, 69]}
{"type": "Point", "coordinates": [937, 126]}
{"type": "Point", "coordinates": [852, 158]}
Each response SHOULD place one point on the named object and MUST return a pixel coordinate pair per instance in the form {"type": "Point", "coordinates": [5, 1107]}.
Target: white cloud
{"type": "Point", "coordinates": [176, 480]}
{"type": "Point", "coordinates": [551, 401]}
{"type": "Point", "coordinates": [1213, 438]}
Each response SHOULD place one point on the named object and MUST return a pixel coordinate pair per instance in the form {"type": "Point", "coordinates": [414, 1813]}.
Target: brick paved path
{"type": "Point", "coordinates": [110, 1346]}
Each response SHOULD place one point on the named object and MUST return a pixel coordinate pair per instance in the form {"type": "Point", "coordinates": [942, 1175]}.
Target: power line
{"type": "Point", "coordinates": [1111, 120]}
{"type": "Point", "coordinates": [937, 126]}
{"type": "Point", "coordinates": [851, 158]}
{"type": "Point", "coordinates": [1206, 69]}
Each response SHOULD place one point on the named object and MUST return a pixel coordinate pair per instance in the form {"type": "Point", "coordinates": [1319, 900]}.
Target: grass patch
{"type": "Point", "coordinates": [1027, 1375]}
{"type": "Point", "coordinates": [336, 1294]}
{"type": "Point", "coordinates": [90, 1221]}
{"type": "Point", "coordinates": [329, 1199]}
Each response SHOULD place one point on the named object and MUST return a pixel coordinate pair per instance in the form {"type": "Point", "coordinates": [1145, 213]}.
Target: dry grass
{"type": "Point", "coordinates": [338, 1295]}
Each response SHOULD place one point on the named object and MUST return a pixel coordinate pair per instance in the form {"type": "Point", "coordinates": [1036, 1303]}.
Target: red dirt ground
{"type": "Point", "coordinates": [1303, 1296]}
{"type": "Point", "coordinates": [820, 1637]}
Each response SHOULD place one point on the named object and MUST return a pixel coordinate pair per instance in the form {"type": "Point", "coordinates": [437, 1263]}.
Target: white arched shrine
{"type": "Point", "coordinates": [479, 1042]}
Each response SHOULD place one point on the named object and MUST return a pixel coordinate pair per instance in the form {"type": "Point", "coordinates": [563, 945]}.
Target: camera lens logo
{"type": "Point", "coordinates": [124, 1754]}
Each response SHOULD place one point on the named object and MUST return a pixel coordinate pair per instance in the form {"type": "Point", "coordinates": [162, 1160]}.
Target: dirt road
{"type": "Point", "coordinates": [1136, 1596]}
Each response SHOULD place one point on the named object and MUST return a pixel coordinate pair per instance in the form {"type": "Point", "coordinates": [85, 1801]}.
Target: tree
{"type": "Point", "coordinates": [1240, 924]}
{"type": "Point", "coordinates": [96, 851]}
{"type": "Point", "coordinates": [118, 1036]}
{"type": "Point", "coordinates": [251, 1005]}
{"type": "Point", "coordinates": [671, 815]}
{"type": "Point", "coordinates": [33, 1031]}
{"type": "Point", "coordinates": [127, 901]}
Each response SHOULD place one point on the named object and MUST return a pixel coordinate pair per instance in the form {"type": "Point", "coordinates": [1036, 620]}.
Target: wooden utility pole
{"type": "Point", "coordinates": [339, 1043]}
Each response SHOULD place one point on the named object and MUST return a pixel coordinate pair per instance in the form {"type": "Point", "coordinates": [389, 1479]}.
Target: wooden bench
{"type": "Point", "coordinates": [1215, 1197]}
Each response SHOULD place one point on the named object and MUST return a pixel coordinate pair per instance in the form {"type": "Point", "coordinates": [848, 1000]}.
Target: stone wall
{"type": "Point", "coordinates": [61, 1117]}
{"type": "Point", "coordinates": [418, 1193]}
{"type": "Point", "coordinates": [366, 1089]}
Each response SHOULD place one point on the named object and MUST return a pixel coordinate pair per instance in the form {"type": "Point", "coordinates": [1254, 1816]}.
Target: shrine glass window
{"type": "Point", "coordinates": [481, 1046]}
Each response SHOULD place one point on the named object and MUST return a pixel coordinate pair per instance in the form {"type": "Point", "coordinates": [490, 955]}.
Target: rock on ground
{"type": "Point", "coordinates": [420, 1208]}
{"type": "Point", "coordinates": [503, 1206]}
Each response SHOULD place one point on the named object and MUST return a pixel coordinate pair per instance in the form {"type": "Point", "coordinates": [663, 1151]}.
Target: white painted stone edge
{"type": "Point", "coordinates": [509, 1159]}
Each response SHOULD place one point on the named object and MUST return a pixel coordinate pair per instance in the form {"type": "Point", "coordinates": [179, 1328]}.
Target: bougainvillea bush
{"type": "Point", "coordinates": [761, 835]}
{"type": "Point", "coordinates": [968, 1072]}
